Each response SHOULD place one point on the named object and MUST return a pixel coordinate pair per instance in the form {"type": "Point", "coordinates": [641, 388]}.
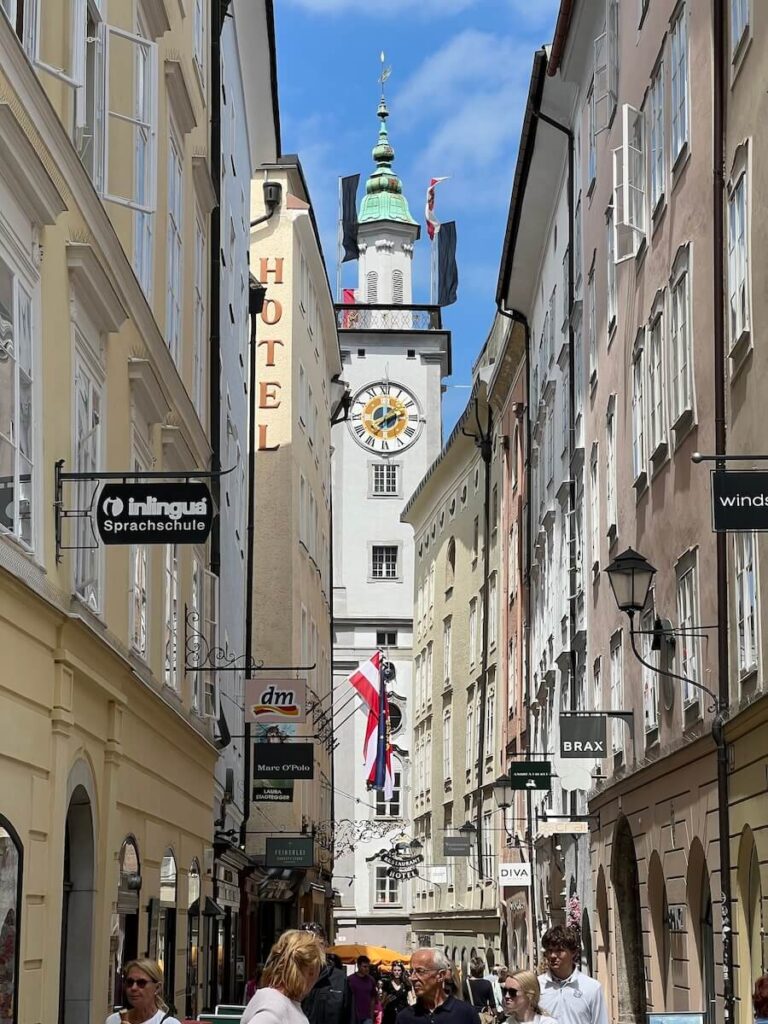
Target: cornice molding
{"type": "Point", "coordinates": [179, 94]}
{"type": "Point", "coordinates": [146, 391]}
{"type": "Point", "coordinates": [175, 445]}
{"type": "Point", "coordinates": [156, 17]}
{"type": "Point", "coordinates": [25, 173]}
{"type": "Point", "coordinates": [204, 190]}
{"type": "Point", "coordinates": [94, 288]}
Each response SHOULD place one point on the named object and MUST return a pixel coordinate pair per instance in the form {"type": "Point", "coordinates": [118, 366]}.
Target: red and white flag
{"type": "Point", "coordinates": [366, 680]}
{"type": "Point", "coordinates": [433, 224]}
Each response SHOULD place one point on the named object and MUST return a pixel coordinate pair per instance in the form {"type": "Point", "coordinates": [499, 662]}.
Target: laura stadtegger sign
{"type": "Point", "coordinates": [154, 513]}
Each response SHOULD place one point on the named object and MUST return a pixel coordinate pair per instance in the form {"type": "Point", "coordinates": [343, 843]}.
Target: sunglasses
{"type": "Point", "coordinates": [139, 982]}
{"type": "Point", "coordinates": [510, 993]}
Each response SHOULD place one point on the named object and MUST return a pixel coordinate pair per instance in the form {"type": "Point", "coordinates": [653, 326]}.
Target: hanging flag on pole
{"type": "Point", "coordinates": [448, 272]}
{"type": "Point", "coordinates": [433, 224]}
{"type": "Point", "coordinates": [349, 217]}
{"type": "Point", "coordinates": [370, 682]}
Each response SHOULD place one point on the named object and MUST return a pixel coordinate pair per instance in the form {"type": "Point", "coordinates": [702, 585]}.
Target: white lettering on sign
{"type": "Point", "coordinates": [515, 874]}
{"type": "Point", "coordinates": [583, 746]}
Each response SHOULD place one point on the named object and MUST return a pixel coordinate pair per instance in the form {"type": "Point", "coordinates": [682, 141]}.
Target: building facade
{"type": "Point", "coordinates": [297, 358]}
{"type": "Point", "coordinates": [395, 355]}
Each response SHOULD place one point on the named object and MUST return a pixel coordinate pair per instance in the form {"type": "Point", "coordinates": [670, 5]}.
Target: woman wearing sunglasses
{"type": "Point", "coordinates": [521, 994]}
{"type": "Point", "coordinates": [143, 988]}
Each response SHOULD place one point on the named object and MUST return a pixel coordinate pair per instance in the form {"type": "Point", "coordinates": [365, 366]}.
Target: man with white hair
{"type": "Point", "coordinates": [430, 972]}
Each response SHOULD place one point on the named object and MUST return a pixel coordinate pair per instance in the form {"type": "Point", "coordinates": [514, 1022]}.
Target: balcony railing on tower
{"type": "Point", "coordinates": [368, 316]}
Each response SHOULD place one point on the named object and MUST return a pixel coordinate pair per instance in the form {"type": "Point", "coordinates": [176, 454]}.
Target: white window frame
{"type": "Point", "coordinates": [198, 55]}
{"type": "Point", "coordinates": [629, 185]}
{"type": "Point", "coordinates": [88, 574]}
{"type": "Point", "coordinates": [739, 19]}
{"type": "Point", "coordinates": [592, 152]}
{"type": "Point", "coordinates": [447, 743]}
{"type": "Point", "coordinates": [610, 273]}
{"type": "Point", "coordinates": [171, 599]}
{"type": "Point", "coordinates": [611, 511]}
{"type": "Point", "coordinates": [74, 75]}
{"type": "Point", "coordinates": [469, 737]}
{"type": "Point", "coordinates": [139, 618]}
{"type": "Point", "coordinates": [200, 320]}
{"type": "Point", "coordinates": [617, 692]}
{"type": "Point", "coordinates": [606, 69]}
{"type": "Point", "coordinates": [657, 385]}
{"type": "Point", "coordinates": [493, 596]}
{"type": "Point", "coordinates": [738, 259]}
{"type": "Point", "coordinates": [681, 378]}
{"type": "Point", "coordinates": [447, 649]}
{"type": "Point", "coordinates": [385, 573]}
{"type": "Point", "coordinates": [592, 324]}
{"type": "Point", "coordinates": [597, 684]}
{"type": "Point", "coordinates": [490, 715]}
{"type": "Point", "coordinates": [387, 891]}
{"type": "Point", "coordinates": [747, 603]}
{"type": "Point", "coordinates": [175, 244]}
{"type": "Point", "coordinates": [594, 504]}
{"type": "Point", "coordinates": [385, 479]}
{"type": "Point", "coordinates": [688, 646]}
{"type": "Point", "coordinates": [650, 674]}
{"type": "Point", "coordinates": [473, 631]}
{"type": "Point", "coordinates": [679, 90]}
{"type": "Point", "coordinates": [658, 167]}
{"type": "Point", "coordinates": [639, 455]}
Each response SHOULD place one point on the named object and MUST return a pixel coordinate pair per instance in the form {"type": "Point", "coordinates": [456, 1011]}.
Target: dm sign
{"type": "Point", "coordinates": [583, 735]}
{"type": "Point", "coordinates": [150, 513]}
{"type": "Point", "coordinates": [739, 500]}
{"type": "Point", "coordinates": [275, 700]}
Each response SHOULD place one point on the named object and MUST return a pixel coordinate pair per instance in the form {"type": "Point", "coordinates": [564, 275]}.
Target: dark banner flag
{"type": "Point", "coordinates": [349, 216]}
{"type": "Point", "coordinates": [447, 271]}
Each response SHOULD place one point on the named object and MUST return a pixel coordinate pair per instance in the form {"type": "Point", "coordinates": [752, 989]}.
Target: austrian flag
{"type": "Point", "coordinates": [433, 224]}
{"type": "Point", "coordinates": [377, 752]}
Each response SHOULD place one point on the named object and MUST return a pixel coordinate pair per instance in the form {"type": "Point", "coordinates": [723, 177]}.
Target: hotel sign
{"type": "Point", "coordinates": [154, 513]}
{"type": "Point", "coordinates": [739, 500]}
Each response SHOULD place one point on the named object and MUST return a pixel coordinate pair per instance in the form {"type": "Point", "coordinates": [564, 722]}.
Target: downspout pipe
{"type": "Point", "coordinates": [721, 551]}
{"type": "Point", "coordinates": [484, 442]}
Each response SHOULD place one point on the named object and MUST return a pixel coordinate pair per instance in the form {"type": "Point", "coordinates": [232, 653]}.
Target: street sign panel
{"type": "Point", "coordinates": [154, 513]}
{"type": "Point", "coordinates": [530, 775]}
{"type": "Point", "coordinates": [739, 500]}
{"type": "Point", "coordinates": [275, 700]}
{"type": "Point", "coordinates": [283, 761]}
{"type": "Point", "coordinates": [675, 1018]}
{"type": "Point", "coordinates": [456, 846]}
{"type": "Point", "coordinates": [563, 828]}
{"type": "Point", "coordinates": [289, 852]}
{"type": "Point", "coordinates": [583, 735]}
{"type": "Point", "coordinates": [515, 874]}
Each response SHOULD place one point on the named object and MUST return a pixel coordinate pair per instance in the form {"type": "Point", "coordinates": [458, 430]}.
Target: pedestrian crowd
{"type": "Point", "coordinates": [303, 983]}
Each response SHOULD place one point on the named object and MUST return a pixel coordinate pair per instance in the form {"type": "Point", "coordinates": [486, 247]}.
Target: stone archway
{"type": "Point", "coordinates": [75, 975]}
{"type": "Point", "coordinates": [660, 933]}
{"type": "Point", "coordinates": [748, 917]}
{"type": "Point", "coordinates": [603, 936]}
{"type": "Point", "coordinates": [701, 949]}
{"type": "Point", "coordinates": [587, 956]}
{"type": "Point", "coordinates": [630, 973]}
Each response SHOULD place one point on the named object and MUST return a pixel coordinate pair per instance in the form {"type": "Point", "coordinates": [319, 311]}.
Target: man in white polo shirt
{"type": "Point", "coordinates": [568, 995]}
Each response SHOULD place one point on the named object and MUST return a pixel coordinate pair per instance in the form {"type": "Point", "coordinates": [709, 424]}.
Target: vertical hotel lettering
{"type": "Point", "coordinates": [269, 390]}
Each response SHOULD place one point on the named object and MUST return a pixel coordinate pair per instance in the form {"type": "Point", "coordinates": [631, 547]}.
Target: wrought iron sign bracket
{"type": "Point", "coordinates": [200, 656]}
{"type": "Point", "coordinates": [60, 478]}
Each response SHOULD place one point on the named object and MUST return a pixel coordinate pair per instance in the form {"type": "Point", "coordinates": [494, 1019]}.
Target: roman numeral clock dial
{"type": "Point", "coordinates": [385, 418]}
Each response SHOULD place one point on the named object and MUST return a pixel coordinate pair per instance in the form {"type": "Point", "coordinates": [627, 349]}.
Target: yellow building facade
{"type": "Point", "coordinates": [107, 744]}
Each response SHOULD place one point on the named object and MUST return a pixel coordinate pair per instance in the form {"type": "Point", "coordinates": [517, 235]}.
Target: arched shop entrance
{"type": "Point", "coordinates": [124, 938]}
{"type": "Point", "coordinates": [630, 974]}
{"type": "Point", "coordinates": [166, 925]}
{"type": "Point", "coordinates": [193, 939]}
{"type": "Point", "coordinates": [77, 909]}
{"type": "Point", "coordinates": [11, 865]}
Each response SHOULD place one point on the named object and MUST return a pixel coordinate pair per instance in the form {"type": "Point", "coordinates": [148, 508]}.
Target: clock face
{"type": "Point", "coordinates": [385, 417]}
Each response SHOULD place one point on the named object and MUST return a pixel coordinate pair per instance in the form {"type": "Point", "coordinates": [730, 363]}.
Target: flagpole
{"type": "Point", "coordinates": [433, 269]}
{"type": "Point", "coordinates": [381, 732]}
{"type": "Point", "coordinates": [339, 245]}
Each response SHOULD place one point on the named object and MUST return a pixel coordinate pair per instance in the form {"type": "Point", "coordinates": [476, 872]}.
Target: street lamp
{"type": "Point", "coordinates": [416, 846]}
{"type": "Point", "coordinates": [503, 792]}
{"type": "Point", "coordinates": [630, 575]}
{"type": "Point", "coordinates": [468, 828]}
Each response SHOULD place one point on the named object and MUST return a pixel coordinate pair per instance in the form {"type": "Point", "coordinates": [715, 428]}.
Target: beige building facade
{"type": "Point", "coordinates": [108, 745]}
{"type": "Point", "coordinates": [297, 358]}
{"type": "Point", "coordinates": [457, 718]}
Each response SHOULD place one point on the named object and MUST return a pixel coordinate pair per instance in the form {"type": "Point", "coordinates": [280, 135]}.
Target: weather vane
{"type": "Point", "coordinates": [385, 73]}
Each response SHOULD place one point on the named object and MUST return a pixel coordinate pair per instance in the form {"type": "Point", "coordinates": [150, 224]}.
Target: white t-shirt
{"type": "Point", "coordinates": [577, 1000]}
{"type": "Point", "coordinates": [114, 1018]}
{"type": "Point", "coordinates": [269, 1006]}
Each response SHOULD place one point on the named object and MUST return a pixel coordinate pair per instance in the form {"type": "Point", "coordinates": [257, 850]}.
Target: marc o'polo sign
{"type": "Point", "coordinates": [739, 500]}
{"type": "Point", "coordinates": [583, 735]}
{"type": "Point", "coordinates": [150, 513]}
{"type": "Point", "coordinates": [283, 761]}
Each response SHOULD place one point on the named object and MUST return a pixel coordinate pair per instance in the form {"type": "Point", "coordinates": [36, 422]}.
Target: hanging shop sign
{"type": "Point", "coordinates": [457, 846]}
{"type": "Point", "coordinates": [289, 852]}
{"type": "Point", "coordinates": [563, 828]}
{"type": "Point", "coordinates": [675, 1018]}
{"type": "Point", "coordinates": [270, 701]}
{"type": "Point", "coordinates": [515, 874]}
{"type": "Point", "coordinates": [583, 735]}
{"type": "Point", "coordinates": [283, 761]}
{"type": "Point", "coordinates": [739, 500]}
{"type": "Point", "coordinates": [530, 775]}
{"type": "Point", "coordinates": [154, 513]}
{"type": "Point", "coordinates": [400, 865]}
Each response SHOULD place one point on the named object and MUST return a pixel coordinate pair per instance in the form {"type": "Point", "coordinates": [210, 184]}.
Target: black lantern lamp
{"type": "Point", "coordinates": [630, 576]}
{"type": "Point", "coordinates": [468, 828]}
{"type": "Point", "coordinates": [503, 792]}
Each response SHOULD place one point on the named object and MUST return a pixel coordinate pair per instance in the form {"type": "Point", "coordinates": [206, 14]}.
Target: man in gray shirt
{"type": "Point", "coordinates": [568, 995]}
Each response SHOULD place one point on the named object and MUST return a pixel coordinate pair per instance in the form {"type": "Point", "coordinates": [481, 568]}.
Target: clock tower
{"type": "Point", "coordinates": [395, 354]}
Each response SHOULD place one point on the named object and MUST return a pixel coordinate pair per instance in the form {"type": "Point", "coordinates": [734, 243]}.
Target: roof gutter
{"type": "Point", "coordinates": [562, 28]}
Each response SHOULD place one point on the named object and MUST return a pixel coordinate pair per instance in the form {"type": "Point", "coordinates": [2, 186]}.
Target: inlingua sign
{"type": "Point", "coordinates": [154, 513]}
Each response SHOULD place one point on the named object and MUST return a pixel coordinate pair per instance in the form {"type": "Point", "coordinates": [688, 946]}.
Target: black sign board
{"type": "Point", "coordinates": [739, 500]}
{"type": "Point", "coordinates": [154, 513]}
{"type": "Point", "coordinates": [530, 775]}
{"type": "Point", "coordinates": [289, 852]}
{"type": "Point", "coordinates": [583, 735]}
{"type": "Point", "coordinates": [283, 761]}
{"type": "Point", "coordinates": [457, 846]}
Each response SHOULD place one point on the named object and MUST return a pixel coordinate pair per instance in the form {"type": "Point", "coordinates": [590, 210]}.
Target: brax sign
{"type": "Point", "coordinates": [582, 735]}
{"type": "Point", "coordinates": [283, 761]}
{"type": "Point", "coordinates": [739, 500]}
{"type": "Point", "coordinates": [150, 513]}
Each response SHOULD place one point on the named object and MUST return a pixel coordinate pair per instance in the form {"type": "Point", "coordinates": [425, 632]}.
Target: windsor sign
{"type": "Point", "coordinates": [739, 500]}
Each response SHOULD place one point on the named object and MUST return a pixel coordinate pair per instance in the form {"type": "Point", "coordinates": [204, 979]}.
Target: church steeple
{"type": "Point", "coordinates": [384, 199]}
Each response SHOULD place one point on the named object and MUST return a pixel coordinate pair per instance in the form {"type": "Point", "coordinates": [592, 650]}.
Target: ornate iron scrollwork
{"type": "Point", "coordinates": [202, 656]}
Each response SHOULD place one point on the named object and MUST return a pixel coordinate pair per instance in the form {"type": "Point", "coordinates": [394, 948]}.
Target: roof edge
{"type": "Point", "coordinates": [270, 12]}
{"type": "Point", "coordinates": [562, 28]}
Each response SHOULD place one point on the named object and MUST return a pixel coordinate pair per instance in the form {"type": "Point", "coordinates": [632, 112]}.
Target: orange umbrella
{"type": "Point", "coordinates": [380, 955]}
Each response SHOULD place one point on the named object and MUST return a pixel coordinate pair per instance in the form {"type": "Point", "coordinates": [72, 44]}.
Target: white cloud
{"type": "Point", "coordinates": [423, 8]}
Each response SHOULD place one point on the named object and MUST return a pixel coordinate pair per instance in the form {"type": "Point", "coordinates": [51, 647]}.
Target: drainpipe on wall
{"type": "Point", "coordinates": [718, 729]}
{"type": "Point", "coordinates": [484, 442]}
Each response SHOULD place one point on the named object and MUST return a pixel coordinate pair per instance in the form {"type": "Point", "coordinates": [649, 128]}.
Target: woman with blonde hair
{"type": "Point", "coordinates": [143, 988]}
{"type": "Point", "coordinates": [292, 968]}
{"type": "Point", "coordinates": [521, 993]}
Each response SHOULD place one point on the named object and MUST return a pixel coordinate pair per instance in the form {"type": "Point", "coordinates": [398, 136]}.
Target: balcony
{"type": "Point", "coordinates": [365, 316]}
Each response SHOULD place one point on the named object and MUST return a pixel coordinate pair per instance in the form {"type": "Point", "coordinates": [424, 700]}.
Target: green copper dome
{"type": "Point", "coordinates": [384, 199]}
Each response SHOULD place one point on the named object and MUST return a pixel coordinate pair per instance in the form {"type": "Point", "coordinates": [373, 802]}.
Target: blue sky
{"type": "Point", "coordinates": [460, 73]}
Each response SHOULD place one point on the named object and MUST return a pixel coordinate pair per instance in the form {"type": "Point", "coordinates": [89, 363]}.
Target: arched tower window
{"type": "Point", "coordinates": [372, 286]}
{"type": "Point", "coordinates": [397, 286]}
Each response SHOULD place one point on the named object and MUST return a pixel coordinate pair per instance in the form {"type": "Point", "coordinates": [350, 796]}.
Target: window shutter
{"type": "Point", "coordinates": [629, 185]}
{"type": "Point", "coordinates": [59, 45]}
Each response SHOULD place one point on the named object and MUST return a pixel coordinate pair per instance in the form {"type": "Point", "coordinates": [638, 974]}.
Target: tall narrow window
{"type": "Point", "coordinates": [617, 692]}
{"type": "Point", "coordinates": [591, 324]}
{"type": "Point", "coordinates": [397, 286]}
{"type": "Point", "coordinates": [658, 167]}
{"type": "Point", "coordinates": [197, 620]}
{"type": "Point", "coordinates": [687, 620]}
{"type": "Point", "coordinates": [171, 668]}
{"type": "Point", "coordinates": [18, 415]}
{"type": "Point", "coordinates": [175, 244]}
{"type": "Point", "coordinates": [492, 608]}
{"type": "Point", "coordinates": [738, 280]}
{"type": "Point", "coordinates": [447, 653]}
{"type": "Point", "coordinates": [139, 586]}
{"type": "Point", "coordinates": [610, 467]}
{"type": "Point", "coordinates": [594, 505]}
{"type": "Point", "coordinates": [199, 315]}
{"type": "Point", "coordinates": [611, 269]}
{"type": "Point", "coordinates": [199, 32]}
{"type": "Point", "coordinates": [372, 285]}
{"type": "Point", "coordinates": [384, 562]}
{"type": "Point", "coordinates": [679, 84]}
{"type": "Point", "coordinates": [681, 389]}
{"type": "Point", "coordinates": [577, 244]}
{"type": "Point", "coordinates": [592, 155]}
{"type": "Point", "coordinates": [650, 674]}
{"type": "Point", "coordinates": [606, 68]}
{"type": "Point", "coordinates": [638, 407]}
{"type": "Point", "coordinates": [88, 455]}
{"type": "Point", "coordinates": [473, 631]}
{"type": "Point", "coordinates": [629, 184]}
{"type": "Point", "coordinates": [469, 739]}
{"type": "Point", "coordinates": [739, 23]}
{"type": "Point", "coordinates": [490, 715]}
{"type": "Point", "coordinates": [657, 424]}
{"type": "Point", "coordinates": [387, 888]}
{"type": "Point", "coordinates": [746, 602]}
{"type": "Point", "coordinates": [447, 744]}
